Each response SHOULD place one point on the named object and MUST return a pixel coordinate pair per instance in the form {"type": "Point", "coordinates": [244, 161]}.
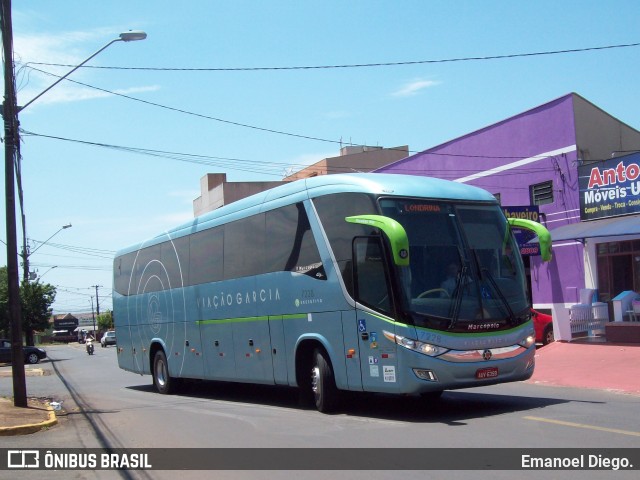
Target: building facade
{"type": "Point", "coordinates": [215, 191]}
{"type": "Point", "coordinates": [533, 162]}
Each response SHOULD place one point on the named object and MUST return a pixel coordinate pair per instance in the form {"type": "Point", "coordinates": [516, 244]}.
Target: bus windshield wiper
{"type": "Point", "coordinates": [485, 273]}
{"type": "Point", "coordinates": [458, 302]}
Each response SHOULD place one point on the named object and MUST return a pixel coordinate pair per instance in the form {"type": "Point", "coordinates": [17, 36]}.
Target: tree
{"type": "Point", "coordinates": [35, 298]}
{"type": "Point", "coordinates": [105, 320]}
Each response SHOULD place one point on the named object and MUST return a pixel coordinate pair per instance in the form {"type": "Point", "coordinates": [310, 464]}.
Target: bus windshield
{"type": "Point", "coordinates": [465, 271]}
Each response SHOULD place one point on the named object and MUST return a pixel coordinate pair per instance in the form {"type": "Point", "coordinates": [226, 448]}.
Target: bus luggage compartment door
{"type": "Point", "coordinates": [252, 345]}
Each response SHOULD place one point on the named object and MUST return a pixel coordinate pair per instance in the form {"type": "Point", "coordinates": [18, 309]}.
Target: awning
{"type": "Point", "coordinates": [606, 227]}
{"type": "Point", "coordinates": [87, 328]}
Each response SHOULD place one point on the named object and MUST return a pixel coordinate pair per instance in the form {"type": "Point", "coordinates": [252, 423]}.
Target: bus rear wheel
{"type": "Point", "coordinates": [163, 382]}
{"type": "Point", "coordinates": [326, 395]}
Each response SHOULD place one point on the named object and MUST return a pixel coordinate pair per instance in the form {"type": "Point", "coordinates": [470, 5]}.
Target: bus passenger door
{"type": "Point", "coordinates": [378, 360]}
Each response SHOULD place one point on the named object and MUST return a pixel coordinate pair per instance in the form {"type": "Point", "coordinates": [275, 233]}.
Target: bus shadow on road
{"type": "Point", "coordinates": [453, 408]}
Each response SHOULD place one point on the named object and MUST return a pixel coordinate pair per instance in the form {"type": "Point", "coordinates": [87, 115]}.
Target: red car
{"type": "Point", "coordinates": [543, 325]}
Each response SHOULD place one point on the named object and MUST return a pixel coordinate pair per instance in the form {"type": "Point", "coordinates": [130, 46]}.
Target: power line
{"type": "Point", "coordinates": [93, 252]}
{"type": "Point", "coordinates": [352, 65]}
{"type": "Point", "coordinates": [199, 115]}
{"type": "Point", "coordinates": [256, 165]}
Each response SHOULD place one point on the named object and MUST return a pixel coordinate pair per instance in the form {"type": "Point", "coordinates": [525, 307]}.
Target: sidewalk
{"type": "Point", "coordinates": [21, 421]}
{"type": "Point", "coordinates": [604, 366]}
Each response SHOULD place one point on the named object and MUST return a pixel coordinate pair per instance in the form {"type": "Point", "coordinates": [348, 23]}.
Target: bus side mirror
{"type": "Point", "coordinates": [544, 237]}
{"type": "Point", "coordinates": [394, 232]}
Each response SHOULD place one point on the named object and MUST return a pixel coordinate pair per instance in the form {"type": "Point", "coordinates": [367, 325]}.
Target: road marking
{"type": "Point", "coordinates": [583, 425]}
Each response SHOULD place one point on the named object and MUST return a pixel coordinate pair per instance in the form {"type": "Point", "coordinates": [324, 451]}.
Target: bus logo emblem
{"type": "Point", "coordinates": [486, 355]}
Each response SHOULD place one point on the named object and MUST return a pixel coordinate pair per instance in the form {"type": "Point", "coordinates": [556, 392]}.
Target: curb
{"type": "Point", "coordinates": [30, 428]}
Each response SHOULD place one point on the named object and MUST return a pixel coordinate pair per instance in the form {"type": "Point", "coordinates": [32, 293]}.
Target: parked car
{"type": "Point", "coordinates": [109, 338]}
{"type": "Point", "coordinates": [32, 355]}
{"type": "Point", "coordinates": [543, 325]}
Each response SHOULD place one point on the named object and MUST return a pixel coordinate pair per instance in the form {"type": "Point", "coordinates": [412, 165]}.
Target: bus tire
{"type": "Point", "coordinates": [164, 383]}
{"type": "Point", "coordinates": [326, 395]}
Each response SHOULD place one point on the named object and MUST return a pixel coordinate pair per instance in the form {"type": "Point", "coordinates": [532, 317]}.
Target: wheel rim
{"type": "Point", "coordinates": [161, 373]}
{"type": "Point", "coordinates": [315, 382]}
{"type": "Point", "coordinates": [33, 358]}
{"type": "Point", "coordinates": [550, 337]}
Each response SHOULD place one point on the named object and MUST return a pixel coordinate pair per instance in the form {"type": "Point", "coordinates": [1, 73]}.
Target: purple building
{"type": "Point", "coordinates": [532, 163]}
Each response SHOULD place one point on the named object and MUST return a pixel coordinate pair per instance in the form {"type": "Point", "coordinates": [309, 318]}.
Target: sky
{"type": "Point", "coordinates": [198, 87]}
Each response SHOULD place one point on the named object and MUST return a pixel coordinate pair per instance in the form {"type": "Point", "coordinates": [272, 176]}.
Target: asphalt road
{"type": "Point", "coordinates": [105, 407]}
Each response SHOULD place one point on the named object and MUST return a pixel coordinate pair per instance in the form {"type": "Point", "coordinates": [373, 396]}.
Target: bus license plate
{"type": "Point", "coordinates": [491, 372]}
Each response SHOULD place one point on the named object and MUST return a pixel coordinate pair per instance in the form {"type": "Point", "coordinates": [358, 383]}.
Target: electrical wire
{"type": "Point", "coordinates": [256, 165]}
{"type": "Point", "coordinates": [199, 115]}
{"type": "Point", "coordinates": [353, 65]}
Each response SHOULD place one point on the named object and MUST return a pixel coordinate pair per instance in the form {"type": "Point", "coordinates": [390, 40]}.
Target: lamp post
{"type": "Point", "coordinates": [130, 36]}
{"type": "Point", "coordinates": [26, 254]}
{"type": "Point", "coordinates": [40, 276]}
{"type": "Point", "coordinates": [11, 140]}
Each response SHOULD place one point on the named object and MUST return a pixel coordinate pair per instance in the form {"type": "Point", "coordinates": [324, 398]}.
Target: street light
{"type": "Point", "coordinates": [10, 112]}
{"type": "Point", "coordinates": [26, 254]}
{"type": "Point", "coordinates": [40, 277]}
{"type": "Point", "coordinates": [130, 36]}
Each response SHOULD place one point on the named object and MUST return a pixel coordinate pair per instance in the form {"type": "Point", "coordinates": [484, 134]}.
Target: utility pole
{"type": "Point", "coordinates": [11, 142]}
{"type": "Point", "coordinates": [10, 112]}
{"type": "Point", "coordinates": [97, 301]}
{"type": "Point", "coordinates": [95, 335]}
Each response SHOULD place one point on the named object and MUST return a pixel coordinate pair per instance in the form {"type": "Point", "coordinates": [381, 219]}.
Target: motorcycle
{"type": "Point", "coordinates": [90, 347]}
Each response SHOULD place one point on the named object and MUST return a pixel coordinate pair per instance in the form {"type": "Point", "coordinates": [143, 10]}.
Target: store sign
{"type": "Point", "coordinates": [523, 237]}
{"type": "Point", "coordinates": [610, 189]}
{"type": "Point", "coordinates": [62, 324]}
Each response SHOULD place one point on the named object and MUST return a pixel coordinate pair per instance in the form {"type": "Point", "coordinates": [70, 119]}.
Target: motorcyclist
{"type": "Point", "coordinates": [89, 345]}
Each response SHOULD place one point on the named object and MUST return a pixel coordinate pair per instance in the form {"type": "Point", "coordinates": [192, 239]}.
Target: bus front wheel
{"type": "Point", "coordinates": [163, 382]}
{"type": "Point", "coordinates": [323, 385]}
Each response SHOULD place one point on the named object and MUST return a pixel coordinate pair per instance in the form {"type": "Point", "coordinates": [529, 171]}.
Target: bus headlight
{"type": "Point", "coordinates": [527, 342]}
{"type": "Point", "coordinates": [415, 345]}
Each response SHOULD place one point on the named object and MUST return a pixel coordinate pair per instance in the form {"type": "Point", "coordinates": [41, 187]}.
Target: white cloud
{"type": "Point", "coordinates": [69, 93]}
{"type": "Point", "coordinates": [414, 87]}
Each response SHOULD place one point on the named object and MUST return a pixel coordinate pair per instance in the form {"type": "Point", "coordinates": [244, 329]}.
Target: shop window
{"type": "Point", "coordinates": [618, 268]}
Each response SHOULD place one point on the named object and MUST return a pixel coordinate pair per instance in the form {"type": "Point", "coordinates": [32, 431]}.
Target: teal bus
{"type": "Point", "coordinates": [357, 282]}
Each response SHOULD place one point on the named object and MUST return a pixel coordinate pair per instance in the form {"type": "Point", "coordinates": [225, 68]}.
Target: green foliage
{"type": "Point", "coordinates": [105, 320]}
{"type": "Point", "coordinates": [35, 300]}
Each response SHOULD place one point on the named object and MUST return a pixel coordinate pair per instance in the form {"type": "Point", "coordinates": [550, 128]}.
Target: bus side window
{"type": "Point", "coordinates": [370, 279]}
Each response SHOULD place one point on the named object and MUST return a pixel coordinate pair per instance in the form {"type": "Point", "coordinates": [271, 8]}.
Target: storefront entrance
{"type": "Point", "coordinates": [618, 268]}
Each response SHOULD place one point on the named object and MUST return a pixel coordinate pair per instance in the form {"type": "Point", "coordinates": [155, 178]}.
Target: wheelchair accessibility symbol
{"type": "Point", "coordinates": [362, 325]}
